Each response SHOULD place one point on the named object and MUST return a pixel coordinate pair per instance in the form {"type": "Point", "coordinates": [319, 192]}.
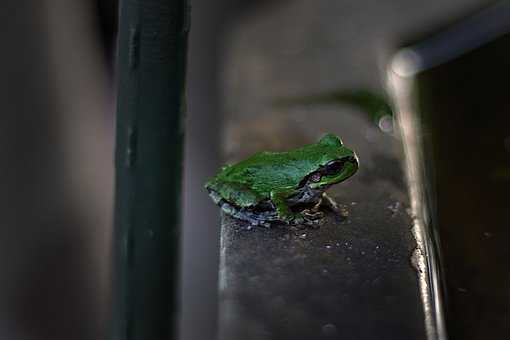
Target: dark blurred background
{"type": "Point", "coordinates": [57, 133]}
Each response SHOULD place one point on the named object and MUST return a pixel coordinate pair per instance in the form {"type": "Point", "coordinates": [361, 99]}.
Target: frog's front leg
{"type": "Point", "coordinates": [314, 212]}
{"type": "Point", "coordinates": [317, 205]}
{"type": "Point", "coordinates": [330, 202]}
{"type": "Point", "coordinates": [279, 199]}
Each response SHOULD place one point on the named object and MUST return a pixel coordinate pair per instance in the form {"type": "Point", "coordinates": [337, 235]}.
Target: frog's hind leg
{"type": "Point", "coordinates": [245, 215]}
{"type": "Point", "coordinates": [216, 197]}
{"type": "Point", "coordinates": [235, 212]}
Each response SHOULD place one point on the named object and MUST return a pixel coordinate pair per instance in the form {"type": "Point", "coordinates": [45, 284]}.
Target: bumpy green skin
{"type": "Point", "coordinates": [276, 176]}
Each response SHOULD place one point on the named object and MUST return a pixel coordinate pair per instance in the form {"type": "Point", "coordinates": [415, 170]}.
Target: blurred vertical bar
{"type": "Point", "coordinates": [150, 78]}
{"type": "Point", "coordinates": [452, 100]}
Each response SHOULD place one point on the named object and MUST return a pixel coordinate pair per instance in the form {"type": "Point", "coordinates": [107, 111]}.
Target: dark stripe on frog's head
{"type": "Point", "coordinates": [335, 171]}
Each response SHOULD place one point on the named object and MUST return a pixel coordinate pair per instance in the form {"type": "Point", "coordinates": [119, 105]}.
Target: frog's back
{"type": "Point", "coordinates": [236, 183]}
{"type": "Point", "coordinates": [268, 171]}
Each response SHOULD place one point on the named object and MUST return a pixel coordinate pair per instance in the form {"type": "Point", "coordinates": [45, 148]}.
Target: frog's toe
{"type": "Point", "coordinates": [313, 215]}
{"type": "Point", "coordinates": [298, 220]}
{"type": "Point", "coordinates": [315, 219]}
{"type": "Point", "coordinates": [295, 220]}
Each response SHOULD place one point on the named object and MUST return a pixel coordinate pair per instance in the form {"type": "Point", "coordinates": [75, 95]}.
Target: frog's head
{"type": "Point", "coordinates": [337, 163]}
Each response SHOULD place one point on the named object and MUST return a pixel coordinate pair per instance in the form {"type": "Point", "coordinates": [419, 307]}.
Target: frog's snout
{"type": "Point", "coordinates": [354, 160]}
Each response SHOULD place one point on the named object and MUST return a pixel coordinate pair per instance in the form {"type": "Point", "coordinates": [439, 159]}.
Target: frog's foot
{"type": "Point", "coordinates": [307, 218]}
{"type": "Point", "coordinates": [314, 218]}
{"type": "Point", "coordinates": [312, 214]}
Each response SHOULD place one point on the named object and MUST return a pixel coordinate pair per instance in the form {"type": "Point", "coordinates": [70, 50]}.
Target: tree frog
{"type": "Point", "coordinates": [283, 187]}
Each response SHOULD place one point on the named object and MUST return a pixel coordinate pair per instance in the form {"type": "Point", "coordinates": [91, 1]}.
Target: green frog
{"type": "Point", "coordinates": [284, 187]}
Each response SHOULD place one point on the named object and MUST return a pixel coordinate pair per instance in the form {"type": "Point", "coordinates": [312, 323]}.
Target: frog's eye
{"type": "Point", "coordinates": [315, 177]}
{"type": "Point", "coordinates": [334, 168]}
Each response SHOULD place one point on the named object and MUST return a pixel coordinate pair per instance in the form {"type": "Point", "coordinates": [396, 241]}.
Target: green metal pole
{"type": "Point", "coordinates": [150, 76]}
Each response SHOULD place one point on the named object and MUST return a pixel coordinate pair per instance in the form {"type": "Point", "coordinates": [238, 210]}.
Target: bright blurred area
{"type": "Point", "coordinates": [57, 134]}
